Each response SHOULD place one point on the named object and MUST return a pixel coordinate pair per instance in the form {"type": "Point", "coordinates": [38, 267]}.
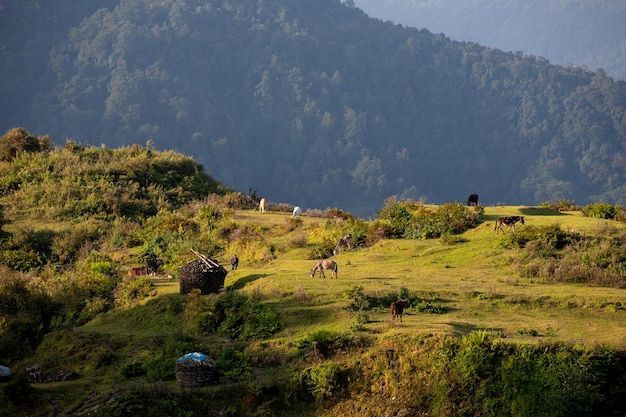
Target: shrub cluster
{"type": "Point", "coordinates": [26, 313]}
{"type": "Point", "coordinates": [324, 344]}
{"type": "Point", "coordinates": [324, 237]}
{"type": "Point", "coordinates": [231, 315]}
{"type": "Point", "coordinates": [566, 256]}
{"type": "Point", "coordinates": [362, 300]}
{"type": "Point", "coordinates": [408, 219]}
{"type": "Point", "coordinates": [131, 182]}
{"type": "Point", "coordinates": [18, 140]}
{"type": "Point", "coordinates": [604, 211]}
{"type": "Point", "coordinates": [561, 205]}
{"type": "Point", "coordinates": [477, 376]}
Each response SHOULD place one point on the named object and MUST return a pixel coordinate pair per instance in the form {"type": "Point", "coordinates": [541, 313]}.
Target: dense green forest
{"type": "Point", "coordinates": [313, 103]}
{"type": "Point", "coordinates": [576, 33]}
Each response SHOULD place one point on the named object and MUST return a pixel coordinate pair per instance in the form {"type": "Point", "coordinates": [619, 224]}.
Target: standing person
{"type": "Point", "coordinates": [234, 262]}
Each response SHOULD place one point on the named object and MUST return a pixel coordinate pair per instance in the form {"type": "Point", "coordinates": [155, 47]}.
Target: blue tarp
{"type": "Point", "coordinates": [196, 356]}
{"type": "Point", "coordinates": [4, 372]}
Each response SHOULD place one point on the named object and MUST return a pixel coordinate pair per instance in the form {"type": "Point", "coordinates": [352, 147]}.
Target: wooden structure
{"type": "Point", "coordinates": [203, 274]}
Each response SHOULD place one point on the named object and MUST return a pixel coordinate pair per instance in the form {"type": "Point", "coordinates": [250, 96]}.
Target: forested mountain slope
{"type": "Point", "coordinates": [314, 103]}
{"type": "Point", "coordinates": [587, 33]}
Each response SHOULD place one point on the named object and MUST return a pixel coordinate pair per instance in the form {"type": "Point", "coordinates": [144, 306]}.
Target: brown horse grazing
{"type": "Point", "coordinates": [322, 265]}
{"type": "Point", "coordinates": [397, 308]}
{"type": "Point", "coordinates": [508, 221]}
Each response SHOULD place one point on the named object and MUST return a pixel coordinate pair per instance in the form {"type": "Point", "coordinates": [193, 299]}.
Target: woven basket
{"type": "Point", "coordinates": [195, 370]}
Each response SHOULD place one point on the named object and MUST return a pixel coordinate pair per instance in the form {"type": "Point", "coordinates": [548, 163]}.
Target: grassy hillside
{"type": "Point", "coordinates": [497, 324]}
{"type": "Point", "coordinates": [475, 281]}
{"type": "Point", "coordinates": [462, 288]}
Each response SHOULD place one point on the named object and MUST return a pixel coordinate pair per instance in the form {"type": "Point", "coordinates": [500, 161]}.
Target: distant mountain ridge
{"type": "Point", "coordinates": [314, 103]}
{"type": "Point", "coordinates": [574, 32]}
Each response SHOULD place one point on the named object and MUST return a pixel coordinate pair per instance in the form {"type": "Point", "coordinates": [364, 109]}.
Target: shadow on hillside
{"type": "Point", "coordinates": [462, 329]}
{"type": "Point", "coordinates": [526, 211]}
{"type": "Point", "coordinates": [541, 211]}
{"type": "Point", "coordinates": [243, 281]}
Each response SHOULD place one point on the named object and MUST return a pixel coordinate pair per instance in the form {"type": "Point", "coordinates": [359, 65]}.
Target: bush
{"type": "Point", "coordinates": [550, 237]}
{"type": "Point", "coordinates": [326, 343]}
{"type": "Point", "coordinates": [18, 391]}
{"type": "Point", "coordinates": [161, 364]}
{"type": "Point", "coordinates": [563, 256]}
{"type": "Point", "coordinates": [415, 221]}
{"type": "Point", "coordinates": [232, 366]}
{"type": "Point", "coordinates": [236, 317]}
{"type": "Point", "coordinates": [133, 368]}
{"type": "Point", "coordinates": [359, 300]}
{"type": "Point", "coordinates": [602, 211]}
{"type": "Point", "coordinates": [26, 316]}
{"type": "Point", "coordinates": [161, 368]}
{"type": "Point", "coordinates": [325, 381]}
{"type": "Point", "coordinates": [132, 291]}
{"type": "Point", "coordinates": [449, 219]}
{"type": "Point", "coordinates": [560, 205]}
{"type": "Point", "coordinates": [359, 321]}
{"type": "Point", "coordinates": [66, 247]}
{"type": "Point", "coordinates": [397, 215]}
{"type": "Point", "coordinates": [19, 140]}
{"type": "Point", "coordinates": [209, 216]}
{"type": "Point", "coordinates": [27, 249]}
{"type": "Point", "coordinates": [19, 338]}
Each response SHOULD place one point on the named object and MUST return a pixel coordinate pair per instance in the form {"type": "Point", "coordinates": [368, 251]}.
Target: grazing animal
{"type": "Point", "coordinates": [297, 211]}
{"type": "Point", "coordinates": [153, 265]}
{"type": "Point", "coordinates": [137, 272]}
{"type": "Point", "coordinates": [509, 222]}
{"type": "Point", "coordinates": [322, 265]}
{"type": "Point", "coordinates": [345, 242]}
{"type": "Point", "coordinates": [262, 205]}
{"type": "Point", "coordinates": [472, 199]}
{"type": "Point", "coordinates": [397, 308]}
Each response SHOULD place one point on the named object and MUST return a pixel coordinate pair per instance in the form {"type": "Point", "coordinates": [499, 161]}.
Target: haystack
{"type": "Point", "coordinates": [203, 274]}
{"type": "Point", "coordinates": [195, 370]}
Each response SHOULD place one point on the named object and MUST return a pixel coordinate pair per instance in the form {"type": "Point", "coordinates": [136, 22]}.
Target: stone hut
{"type": "Point", "coordinates": [202, 273]}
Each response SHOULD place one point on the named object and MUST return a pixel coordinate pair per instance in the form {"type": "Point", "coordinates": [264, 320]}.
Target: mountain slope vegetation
{"type": "Point", "coordinates": [496, 324]}
{"type": "Point", "coordinates": [579, 33]}
{"type": "Point", "coordinates": [316, 103]}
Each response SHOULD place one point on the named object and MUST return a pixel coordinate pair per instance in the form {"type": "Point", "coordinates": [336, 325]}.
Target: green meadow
{"type": "Point", "coordinates": [474, 280]}
{"type": "Point", "coordinates": [470, 285]}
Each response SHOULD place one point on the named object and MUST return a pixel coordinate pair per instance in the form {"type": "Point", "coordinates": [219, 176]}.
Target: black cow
{"type": "Point", "coordinates": [153, 265]}
{"type": "Point", "coordinates": [472, 199]}
{"type": "Point", "coordinates": [397, 308]}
